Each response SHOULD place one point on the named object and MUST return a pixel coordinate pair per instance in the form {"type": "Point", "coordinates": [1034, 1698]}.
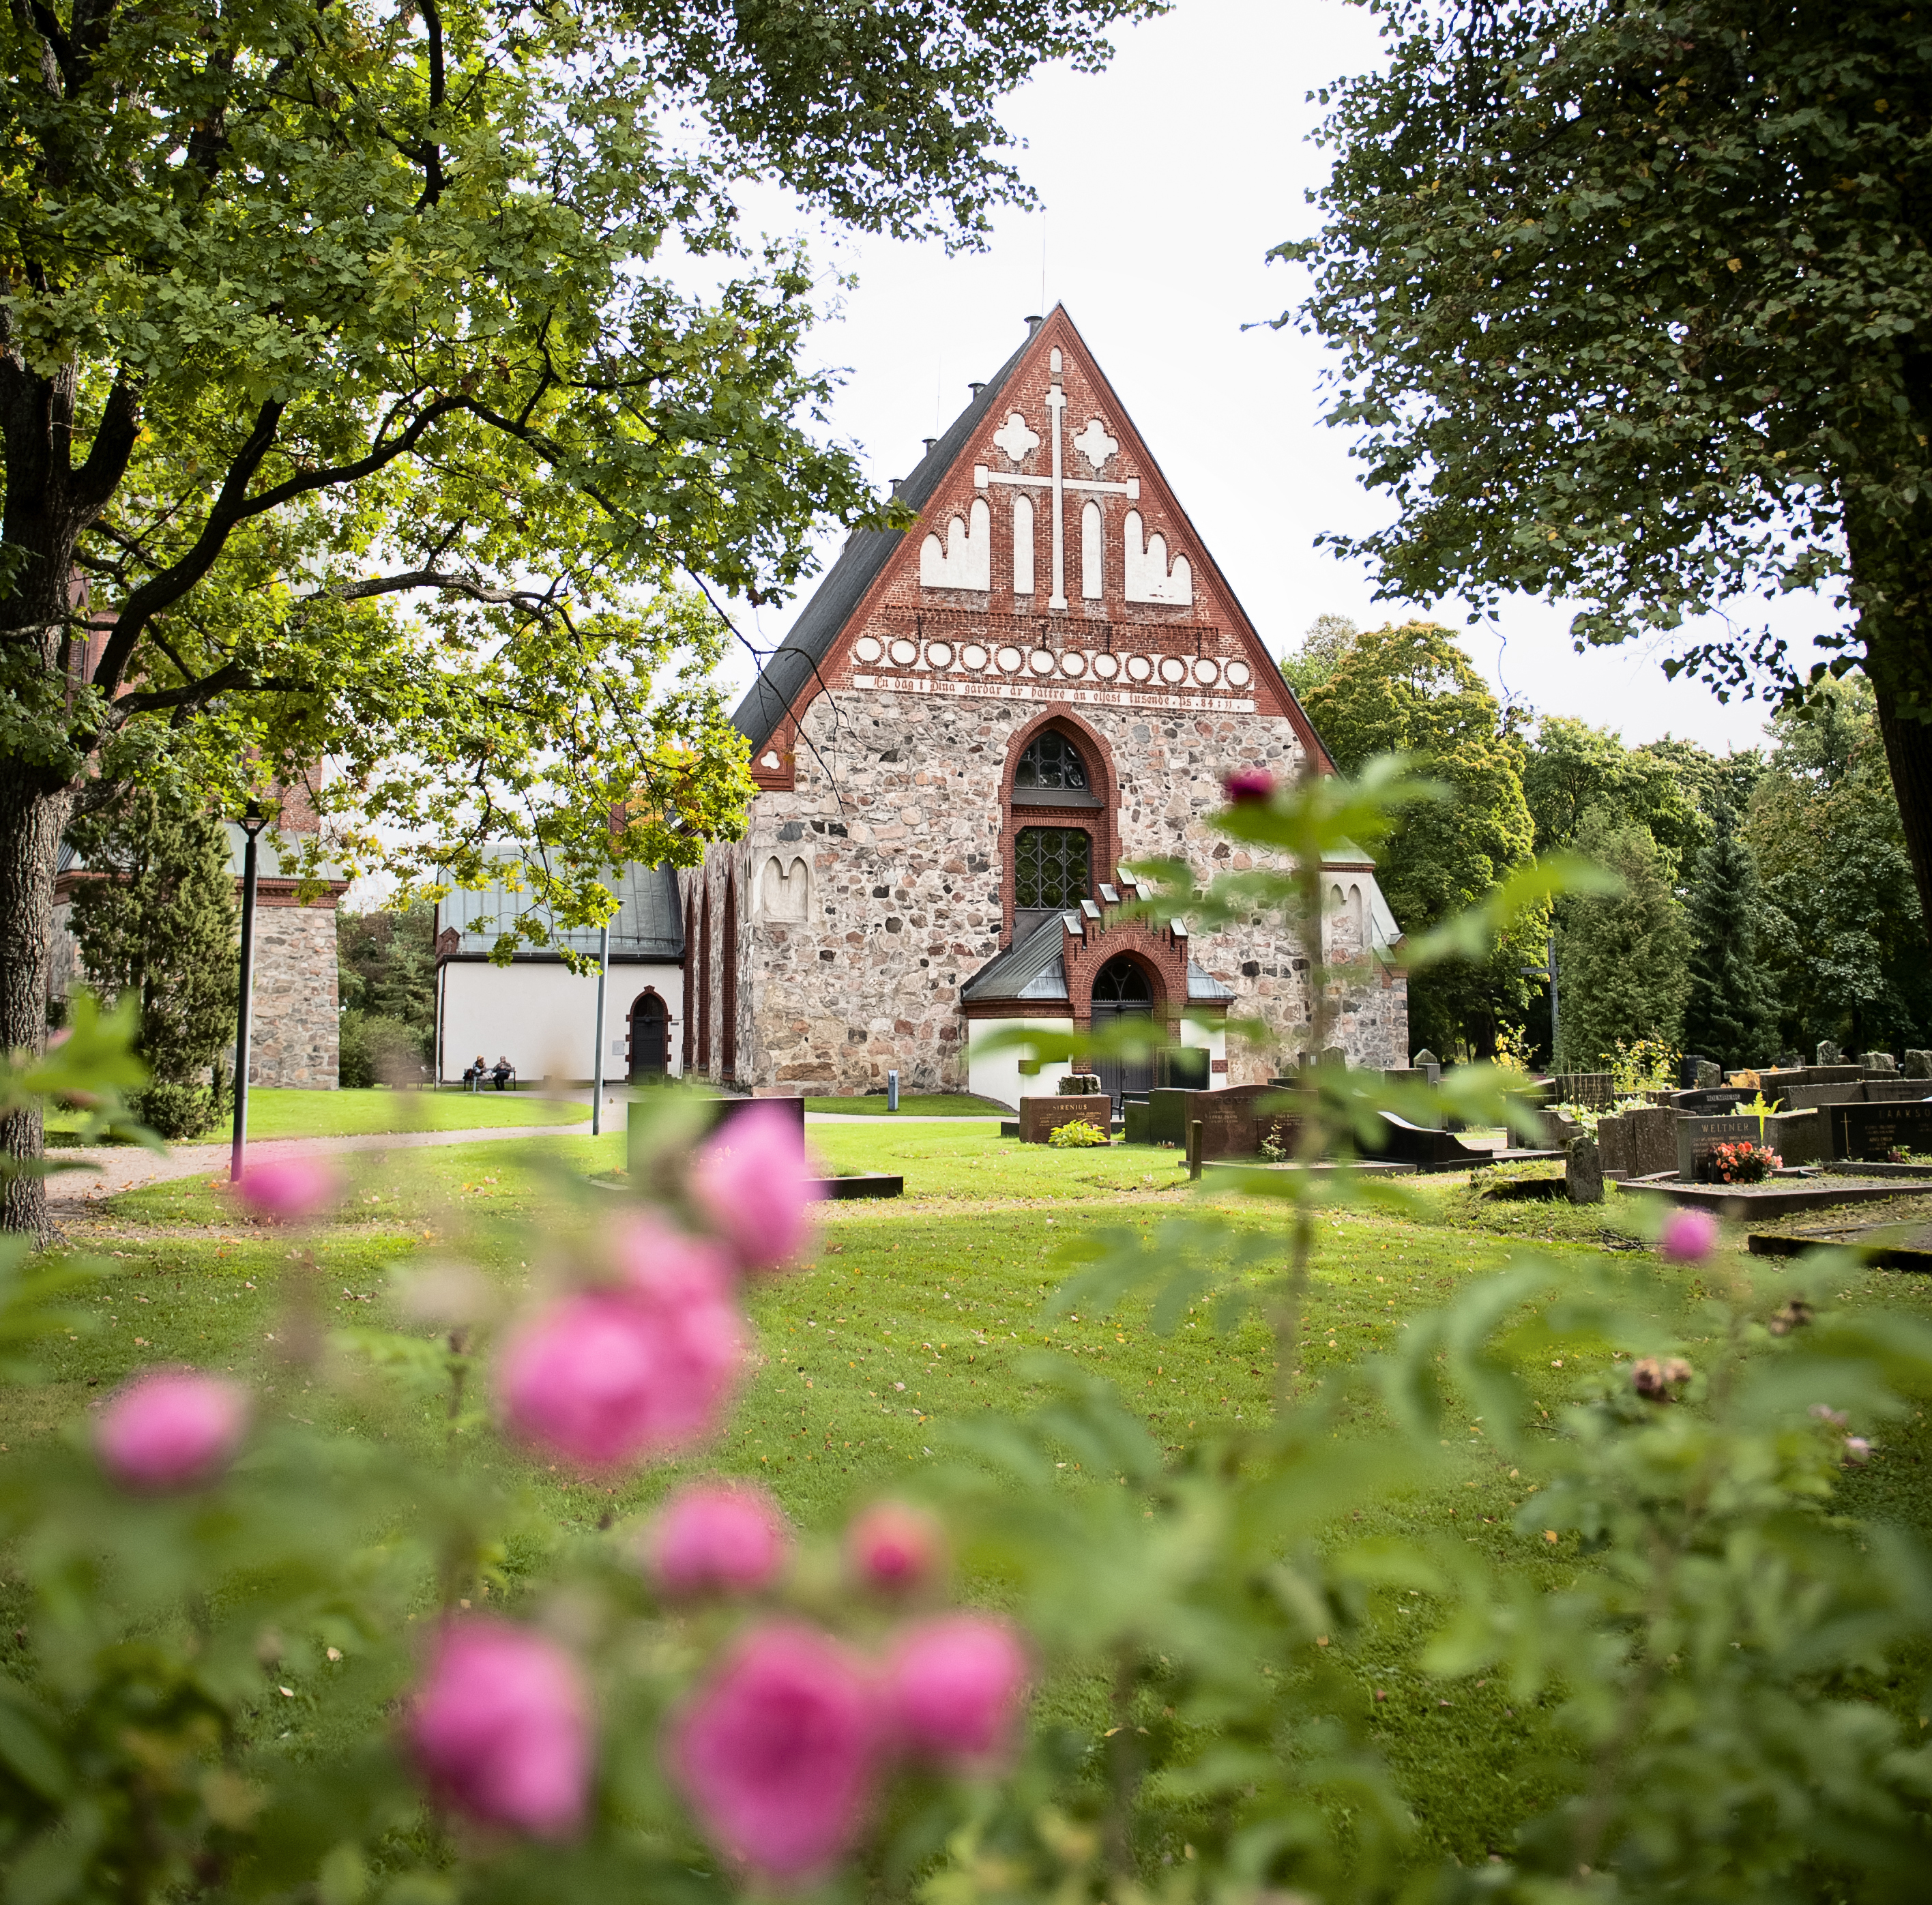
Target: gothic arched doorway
{"type": "Point", "coordinates": [650, 1039]}
{"type": "Point", "coordinates": [1121, 990]}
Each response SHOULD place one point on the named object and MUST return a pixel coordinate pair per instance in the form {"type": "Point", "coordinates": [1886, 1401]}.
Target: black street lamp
{"type": "Point", "coordinates": [252, 824]}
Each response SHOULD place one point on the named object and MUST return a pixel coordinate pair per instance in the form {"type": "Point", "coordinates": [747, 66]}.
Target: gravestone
{"type": "Point", "coordinates": [1041, 1117]}
{"type": "Point", "coordinates": [1558, 1130]}
{"type": "Point", "coordinates": [1707, 1075]}
{"type": "Point", "coordinates": [1582, 1171]}
{"type": "Point", "coordinates": [1719, 1103]}
{"type": "Point", "coordinates": [1871, 1132]}
{"type": "Point", "coordinates": [1698, 1137]}
{"type": "Point", "coordinates": [1333, 1054]}
{"type": "Point", "coordinates": [1790, 1061]}
{"type": "Point", "coordinates": [1828, 1053]}
{"type": "Point", "coordinates": [1797, 1137]}
{"type": "Point", "coordinates": [1612, 1147]}
{"type": "Point", "coordinates": [1918, 1064]}
{"type": "Point", "coordinates": [1425, 1060]}
{"type": "Point", "coordinates": [1234, 1120]}
{"type": "Point", "coordinates": [1651, 1144]}
{"type": "Point", "coordinates": [1881, 1062]}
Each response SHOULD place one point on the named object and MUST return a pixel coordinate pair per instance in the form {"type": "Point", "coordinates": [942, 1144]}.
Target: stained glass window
{"type": "Point", "coordinates": [1050, 864]}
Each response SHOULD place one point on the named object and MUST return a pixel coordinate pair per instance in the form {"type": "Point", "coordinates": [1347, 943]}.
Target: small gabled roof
{"type": "Point", "coordinates": [1034, 968]}
{"type": "Point", "coordinates": [866, 552]}
{"type": "Point", "coordinates": [1202, 985]}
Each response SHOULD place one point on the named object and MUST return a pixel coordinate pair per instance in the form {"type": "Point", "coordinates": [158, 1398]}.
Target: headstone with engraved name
{"type": "Point", "coordinates": [1698, 1137]}
{"type": "Point", "coordinates": [1871, 1132]}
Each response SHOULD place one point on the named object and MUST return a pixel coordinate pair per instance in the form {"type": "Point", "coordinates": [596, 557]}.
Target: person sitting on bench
{"type": "Point", "coordinates": [473, 1076]}
{"type": "Point", "coordinates": [504, 1073]}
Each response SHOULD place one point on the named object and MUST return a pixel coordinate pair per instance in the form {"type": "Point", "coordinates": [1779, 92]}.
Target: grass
{"type": "Point", "coordinates": [275, 1113]}
{"type": "Point", "coordinates": [912, 1104]}
{"type": "Point", "coordinates": [912, 1315]}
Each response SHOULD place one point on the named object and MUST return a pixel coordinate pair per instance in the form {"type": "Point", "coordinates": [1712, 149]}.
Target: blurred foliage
{"type": "Point", "coordinates": [1707, 1654]}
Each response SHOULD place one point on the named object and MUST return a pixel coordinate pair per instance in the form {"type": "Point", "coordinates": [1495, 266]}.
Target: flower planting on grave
{"type": "Point", "coordinates": [1077, 1135]}
{"type": "Point", "coordinates": [1742, 1162]}
{"type": "Point", "coordinates": [327, 1645]}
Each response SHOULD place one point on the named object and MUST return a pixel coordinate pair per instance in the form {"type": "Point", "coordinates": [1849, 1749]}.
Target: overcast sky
{"type": "Point", "coordinates": [1165, 180]}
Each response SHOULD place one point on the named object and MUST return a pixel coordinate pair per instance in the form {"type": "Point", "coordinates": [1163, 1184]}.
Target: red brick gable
{"type": "Point", "coordinates": [1124, 606]}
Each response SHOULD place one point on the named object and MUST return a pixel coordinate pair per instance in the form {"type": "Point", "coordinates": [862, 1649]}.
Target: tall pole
{"type": "Point", "coordinates": [252, 824]}
{"type": "Point", "coordinates": [1555, 1020]}
{"type": "Point", "coordinates": [597, 1070]}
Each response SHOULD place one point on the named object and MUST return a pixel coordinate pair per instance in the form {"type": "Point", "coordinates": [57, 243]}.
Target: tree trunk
{"type": "Point", "coordinates": [32, 819]}
{"type": "Point", "coordinates": [1908, 751]}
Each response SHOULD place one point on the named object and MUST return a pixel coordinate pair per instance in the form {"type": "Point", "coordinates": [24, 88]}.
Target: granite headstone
{"type": "Point", "coordinates": [1582, 1171]}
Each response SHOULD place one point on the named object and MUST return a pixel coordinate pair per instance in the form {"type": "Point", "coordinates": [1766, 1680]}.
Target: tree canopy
{"type": "Point", "coordinates": [1633, 307]}
{"type": "Point", "coordinates": [1408, 688]}
{"type": "Point", "coordinates": [312, 311]}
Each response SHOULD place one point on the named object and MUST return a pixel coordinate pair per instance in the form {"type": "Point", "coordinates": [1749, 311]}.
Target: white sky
{"type": "Point", "coordinates": [1165, 180]}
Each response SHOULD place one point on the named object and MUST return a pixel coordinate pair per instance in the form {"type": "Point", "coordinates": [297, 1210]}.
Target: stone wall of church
{"type": "Point", "coordinates": [871, 892]}
{"type": "Point", "coordinates": [294, 1030]}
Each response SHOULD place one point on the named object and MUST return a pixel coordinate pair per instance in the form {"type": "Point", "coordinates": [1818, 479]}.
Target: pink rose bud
{"type": "Point", "coordinates": [287, 1190]}
{"type": "Point", "coordinates": [955, 1684]}
{"type": "Point", "coordinates": [608, 1377]}
{"type": "Point", "coordinates": [779, 1753]}
{"type": "Point", "coordinates": [1246, 784]}
{"type": "Point", "coordinates": [1688, 1237]}
{"type": "Point", "coordinates": [1857, 1450]}
{"type": "Point", "coordinates": [896, 1548]}
{"type": "Point", "coordinates": [750, 1181]}
{"type": "Point", "coordinates": [500, 1728]}
{"type": "Point", "coordinates": [717, 1537]}
{"type": "Point", "coordinates": [171, 1429]}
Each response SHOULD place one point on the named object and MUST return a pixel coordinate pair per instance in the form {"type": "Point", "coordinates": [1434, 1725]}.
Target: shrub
{"type": "Point", "coordinates": [178, 1111]}
{"type": "Point", "coordinates": [1077, 1136]}
{"type": "Point", "coordinates": [378, 1051]}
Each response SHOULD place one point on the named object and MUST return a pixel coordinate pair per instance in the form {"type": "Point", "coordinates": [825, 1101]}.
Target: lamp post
{"type": "Point", "coordinates": [597, 1066]}
{"type": "Point", "coordinates": [252, 823]}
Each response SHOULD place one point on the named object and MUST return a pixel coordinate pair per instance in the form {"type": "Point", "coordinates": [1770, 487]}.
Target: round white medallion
{"type": "Point", "coordinates": [904, 653]}
{"type": "Point", "coordinates": [1173, 670]}
{"type": "Point", "coordinates": [1009, 660]}
{"type": "Point", "coordinates": [1206, 673]}
{"type": "Point", "coordinates": [1239, 674]}
{"type": "Point", "coordinates": [1106, 667]}
{"type": "Point", "coordinates": [973, 655]}
{"type": "Point", "coordinates": [1040, 660]}
{"type": "Point", "coordinates": [1138, 668]}
{"type": "Point", "coordinates": [867, 649]}
{"type": "Point", "coordinates": [940, 654]}
{"type": "Point", "coordinates": [1073, 663]}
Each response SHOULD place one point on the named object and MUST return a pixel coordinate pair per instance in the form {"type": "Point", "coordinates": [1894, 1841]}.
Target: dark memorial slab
{"type": "Point", "coordinates": [1233, 1121]}
{"type": "Point", "coordinates": [1873, 1132]}
{"type": "Point", "coordinates": [1401, 1142]}
{"type": "Point", "coordinates": [1698, 1137]}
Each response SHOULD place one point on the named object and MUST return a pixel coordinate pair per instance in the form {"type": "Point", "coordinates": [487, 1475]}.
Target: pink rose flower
{"type": "Point", "coordinates": [171, 1429]}
{"type": "Point", "coordinates": [750, 1181]}
{"type": "Point", "coordinates": [1688, 1237]}
{"type": "Point", "coordinates": [500, 1728]}
{"type": "Point", "coordinates": [287, 1189]}
{"type": "Point", "coordinates": [778, 1755]}
{"type": "Point", "coordinates": [896, 1547]}
{"type": "Point", "coordinates": [609, 1376]}
{"type": "Point", "coordinates": [717, 1537]}
{"type": "Point", "coordinates": [955, 1685]}
{"type": "Point", "coordinates": [1245, 784]}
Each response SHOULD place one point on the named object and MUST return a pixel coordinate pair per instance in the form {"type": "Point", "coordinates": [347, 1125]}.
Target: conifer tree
{"type": "Point", "coordinates": [159, 919]}
{"type": "Point", "coordinates": [1726, 1007]}
{"type": "Point", "coordinates": [1623, 954]}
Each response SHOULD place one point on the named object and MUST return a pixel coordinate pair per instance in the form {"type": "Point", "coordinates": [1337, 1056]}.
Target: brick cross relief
{"type": "Point", "coordinates": [1095, 445]}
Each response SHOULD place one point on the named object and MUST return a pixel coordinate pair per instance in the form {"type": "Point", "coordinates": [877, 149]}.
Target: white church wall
{"type": "Point", "coordinates": [1209, 1034]}
{"type": "Point", "coordinates": [996, 1074]}
{"type": "Point", "coordinates": [541, 1017]}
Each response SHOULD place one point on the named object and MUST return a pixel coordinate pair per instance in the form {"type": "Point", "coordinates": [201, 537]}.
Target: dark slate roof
{"type": "Point", "coordinates": [789, 668]}
{"type": "Point", "coordinates": [649, 924]}
{"type": "Point", "coordinates": [1036, 968]}
{"type": "Point", "coordinates": [1203, 984]}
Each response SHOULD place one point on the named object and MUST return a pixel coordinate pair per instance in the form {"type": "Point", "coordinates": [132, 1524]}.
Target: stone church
{"type": "Point", "coordinates": [972, 730]}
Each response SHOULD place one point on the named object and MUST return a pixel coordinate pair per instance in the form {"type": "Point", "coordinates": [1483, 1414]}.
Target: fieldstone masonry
{"type": "Point", "coordinates": [877, 877]}
{"type": "Point", "coordinates": [293, 1030]}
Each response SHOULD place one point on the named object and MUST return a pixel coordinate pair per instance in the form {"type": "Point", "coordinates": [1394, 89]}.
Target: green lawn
{"type": "Point", "coordinates": [913, 1104]}
{"type": "Point", "coordinates": [275, 1113]}
{"type": "Point", "coordinates": [908, 1316]}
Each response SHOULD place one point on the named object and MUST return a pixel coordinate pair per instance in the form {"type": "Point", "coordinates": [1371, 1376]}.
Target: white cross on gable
{"type": "Point", "coordinates": [1090, 440]}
